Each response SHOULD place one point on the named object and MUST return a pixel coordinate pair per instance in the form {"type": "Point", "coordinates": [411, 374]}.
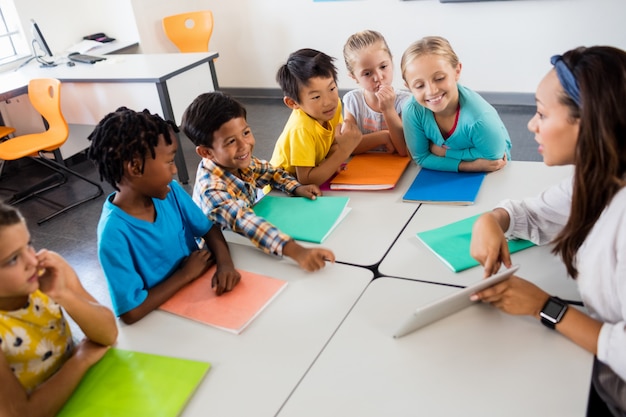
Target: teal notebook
{"type": "Point", "coordinates": [133, 384]}
{"type": "Point", "coordinates": [301, 218]}
{"type": "Point", "coordinates": [451, 243]}
{"type": "Point", "coordinates": [444, 187]}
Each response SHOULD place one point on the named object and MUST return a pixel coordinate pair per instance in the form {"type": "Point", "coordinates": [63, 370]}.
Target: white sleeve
{"type": "Point", "coordinates": [612, 295]}
{"type": "Point", "coordinates": [539, 219]}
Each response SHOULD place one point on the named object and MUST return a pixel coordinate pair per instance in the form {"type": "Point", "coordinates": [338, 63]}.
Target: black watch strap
{"type": "Point", "coordinates": [552, 312]}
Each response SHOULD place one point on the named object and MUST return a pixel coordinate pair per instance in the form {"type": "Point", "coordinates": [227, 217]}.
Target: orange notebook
{"type": "Point", "coordinates": [371, 171]}
{"type": "Point", "coordinates": [231, 311]}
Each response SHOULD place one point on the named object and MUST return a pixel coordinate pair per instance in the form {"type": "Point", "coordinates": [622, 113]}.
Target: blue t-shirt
{"type": "Point", "coordinates": [136, 254]}
{"type": "Point", "coordinates": [479, 133]}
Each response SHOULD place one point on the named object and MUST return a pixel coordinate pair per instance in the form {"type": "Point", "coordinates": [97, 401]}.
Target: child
{"type": "Point", "coordinates": [39, 365]}
{"type": "Point", "coordinates": [314, 143]}
{"type": "Point", "coordinates": [375, 107]}
{"type": "Point", "coordinates": [147, 229]}
{"type": "Point", "coordinates": [580, 120]}
{"type": "Point", "coordinates": [447, 126]}
{"type": "Point", "coordinates": [229, 176]}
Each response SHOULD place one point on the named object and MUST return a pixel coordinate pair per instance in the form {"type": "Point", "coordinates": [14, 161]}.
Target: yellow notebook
{"type": "Point", "coordinates": [371, 171]}
{"type": "Point", "coordinates": [231, 311]}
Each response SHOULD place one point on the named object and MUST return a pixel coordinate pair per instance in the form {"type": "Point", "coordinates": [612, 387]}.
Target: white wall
{"type": "Point", "coordinates": [504, 46]}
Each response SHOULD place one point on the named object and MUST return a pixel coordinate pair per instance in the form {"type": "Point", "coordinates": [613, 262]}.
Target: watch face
{"type": "Point", "coordinates": [552, 309]}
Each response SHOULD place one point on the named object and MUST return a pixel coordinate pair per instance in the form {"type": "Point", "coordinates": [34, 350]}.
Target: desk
{"type": "Point", "coordinates": [409, 258]}
{"type": "Point", "coordinates": [375, 220]}
{"type": "Point", "coordinates": [478, 362]}
{"type": "Point", "coordinates": [163, 83]}
{"type": "Point", "coordinates": [253, 373]}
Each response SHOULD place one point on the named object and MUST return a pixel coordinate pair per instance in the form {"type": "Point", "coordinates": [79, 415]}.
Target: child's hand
{"type": "Point", "coordinates": [57, 276]}
{"type": "Point", "coordinates": [386, 98]}
{"type": "Point", "coordinates": [309, 259]}
{"type": "Point", "coordinates": [225, 279]}
{"type": "Point", "coordinates": [483, 165]}
{"type": "Point", "coordinates": [195, 264]}
{"type": "Point", "coordinates": [347, 137]}
{"type": "Point", "coordinates": [310, 191]}
{"type": "Point", "coordinates": [437, 150]}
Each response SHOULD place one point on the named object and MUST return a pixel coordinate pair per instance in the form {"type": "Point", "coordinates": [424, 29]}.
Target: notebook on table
{"type": "Point", "coordinates": [125, 383]}
{"type": "Point", "coordinates": [232, 311]}
{"type": "Point", "coordinates": [371, 171]}
{"type": "Point", "coordinates": [301, 218]}
{"type": "Point", "coordinates": [451, 243]}
{"type": "Point", "coordinates": [450, 304]}
{"type": "Point", "coordinates": [444, 187]}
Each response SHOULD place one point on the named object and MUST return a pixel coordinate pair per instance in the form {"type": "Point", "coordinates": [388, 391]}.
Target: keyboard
{"type": "Point", "coordinates": [86, 59]}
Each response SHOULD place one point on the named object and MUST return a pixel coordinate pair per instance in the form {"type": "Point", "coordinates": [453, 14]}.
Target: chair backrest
{"type": "Point", "coordinates": [45, 96]}
{"type": "Point", "coordinates": [190, 32]}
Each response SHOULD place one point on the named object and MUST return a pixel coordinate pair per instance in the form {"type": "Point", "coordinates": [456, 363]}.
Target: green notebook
{"type": "Point", "coordinates": [301, 218]}
{"type": "Point", "coordinates": [133, 384]}
{"type": "Point", "coordinates": [451, 243]}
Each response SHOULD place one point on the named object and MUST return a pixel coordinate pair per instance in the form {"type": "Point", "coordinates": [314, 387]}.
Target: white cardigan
{"type": "Point", "coordinates": [601, 260]}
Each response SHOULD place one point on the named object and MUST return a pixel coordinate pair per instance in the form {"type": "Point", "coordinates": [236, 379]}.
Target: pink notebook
{"type": "Point", "coordinates": [231, 311]}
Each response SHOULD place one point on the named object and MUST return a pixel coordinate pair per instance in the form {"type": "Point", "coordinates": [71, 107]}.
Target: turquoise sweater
{"type": "Point", "coordinates": [479, 133]}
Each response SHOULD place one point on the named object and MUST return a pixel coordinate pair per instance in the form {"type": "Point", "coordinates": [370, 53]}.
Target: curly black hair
{"type": "Point", "coordinates": [124, 135]}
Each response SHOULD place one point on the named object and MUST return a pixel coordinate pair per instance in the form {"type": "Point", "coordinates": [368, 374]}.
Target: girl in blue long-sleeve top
{"type": "Point", "coordinates": [447, 126]}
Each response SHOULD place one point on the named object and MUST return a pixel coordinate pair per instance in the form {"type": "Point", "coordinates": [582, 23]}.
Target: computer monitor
{"type": "Point", "coordinates": [41, 43]}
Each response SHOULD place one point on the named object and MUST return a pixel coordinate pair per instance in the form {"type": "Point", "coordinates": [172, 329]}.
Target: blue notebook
{"type": "Point", "coordinates": [444, 187]}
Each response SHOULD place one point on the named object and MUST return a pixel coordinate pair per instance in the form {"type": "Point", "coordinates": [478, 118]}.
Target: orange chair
{"type": "Point", "coordinates": [190, 32]}
{"type": "Point", "coordinates": [6, 131]}
{"type": "Point", "coordinates": [44, 95]}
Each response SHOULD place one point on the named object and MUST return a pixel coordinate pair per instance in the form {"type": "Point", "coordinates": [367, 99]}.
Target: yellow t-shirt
{"type": "Point", "coordinates": [36, 339]}
{"type": "Point", "coordinates": [304, 142]}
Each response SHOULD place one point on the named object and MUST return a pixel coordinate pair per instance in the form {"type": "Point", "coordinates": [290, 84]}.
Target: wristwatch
{"type": "Point", "coordinates": [552, 312]}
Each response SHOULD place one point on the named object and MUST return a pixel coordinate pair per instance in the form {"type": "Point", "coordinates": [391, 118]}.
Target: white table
{"type": "Point", "coordinates": [375, 220]}
{"type": "Point", "coordinates": [162, 83]}
{"type": "Point", "coordinates": [410, 258]}
{"type": "Point", "coordinates": [478, 362]}
{"type": "Point", "coordinates": [253, 373]}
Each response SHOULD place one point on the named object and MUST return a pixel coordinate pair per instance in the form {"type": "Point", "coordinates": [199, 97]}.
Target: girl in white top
{"type": "Point", "coordinates": [580, 120]}
{"type": "Point", "coordinates": [376, 106]}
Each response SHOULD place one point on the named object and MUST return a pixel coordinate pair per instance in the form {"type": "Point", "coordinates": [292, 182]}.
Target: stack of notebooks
{"type": "Point", "coordinates": [371, 171]}
{"type": "Point", "coordinates": [301, 218]}
{"type": "Point", "coordinates": [451, 243]}
{"type": "Point", "coordinates": [232, 311]}
{"type": "Point", "coordinates": [444, 187]}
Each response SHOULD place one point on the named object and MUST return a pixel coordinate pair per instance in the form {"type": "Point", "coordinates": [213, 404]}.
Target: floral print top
{"type": "Point", "coordinates": [36, 340]}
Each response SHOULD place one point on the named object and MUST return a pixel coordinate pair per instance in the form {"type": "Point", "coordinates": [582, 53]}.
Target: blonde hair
{"type": "Point", "coordinates": [435, 45]}
{"type": "Point", "coordinates": [359, 41]}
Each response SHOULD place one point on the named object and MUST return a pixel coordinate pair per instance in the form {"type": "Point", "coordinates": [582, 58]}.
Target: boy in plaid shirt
{"type": "Point", "coordinates": [228, 178]}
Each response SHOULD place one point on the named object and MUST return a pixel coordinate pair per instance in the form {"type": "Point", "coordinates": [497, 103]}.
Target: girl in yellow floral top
{"type": "Point", "coordinates": [39, 365]}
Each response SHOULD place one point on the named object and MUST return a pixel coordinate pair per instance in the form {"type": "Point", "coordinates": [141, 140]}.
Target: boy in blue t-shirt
{"type": "Point", "coordinates": [148, 228]}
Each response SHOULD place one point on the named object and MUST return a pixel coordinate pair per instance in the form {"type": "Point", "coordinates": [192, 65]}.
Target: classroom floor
{"type": "Point", "coordinates": [73, 234]}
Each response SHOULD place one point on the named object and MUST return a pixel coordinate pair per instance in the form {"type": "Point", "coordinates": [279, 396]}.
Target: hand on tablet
{"type": "Point", "coordinates": [514, 296]}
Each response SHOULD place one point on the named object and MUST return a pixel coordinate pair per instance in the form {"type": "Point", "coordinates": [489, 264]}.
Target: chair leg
{"type": "Point", "coordinates": [61, 169]}
{"type": "Point", "coordinates": [48, 183]}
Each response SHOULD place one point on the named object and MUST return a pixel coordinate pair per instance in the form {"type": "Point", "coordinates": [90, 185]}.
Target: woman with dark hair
{"type": "Point", "coordinates": [580, 120]}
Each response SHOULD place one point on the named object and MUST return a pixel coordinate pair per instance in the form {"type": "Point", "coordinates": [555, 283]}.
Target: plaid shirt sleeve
{"type": "Point", "coordinates": [277, 178]}
{"type": "Point", "coordinates": [220, 205]}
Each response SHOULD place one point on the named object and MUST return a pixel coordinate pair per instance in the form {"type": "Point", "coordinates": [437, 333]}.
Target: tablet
{"type": "Point", "coordinates": [450, 304]}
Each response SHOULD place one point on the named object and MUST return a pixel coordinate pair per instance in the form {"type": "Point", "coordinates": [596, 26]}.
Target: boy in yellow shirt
{"type": "Point", "coordinates": [315, 141]}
